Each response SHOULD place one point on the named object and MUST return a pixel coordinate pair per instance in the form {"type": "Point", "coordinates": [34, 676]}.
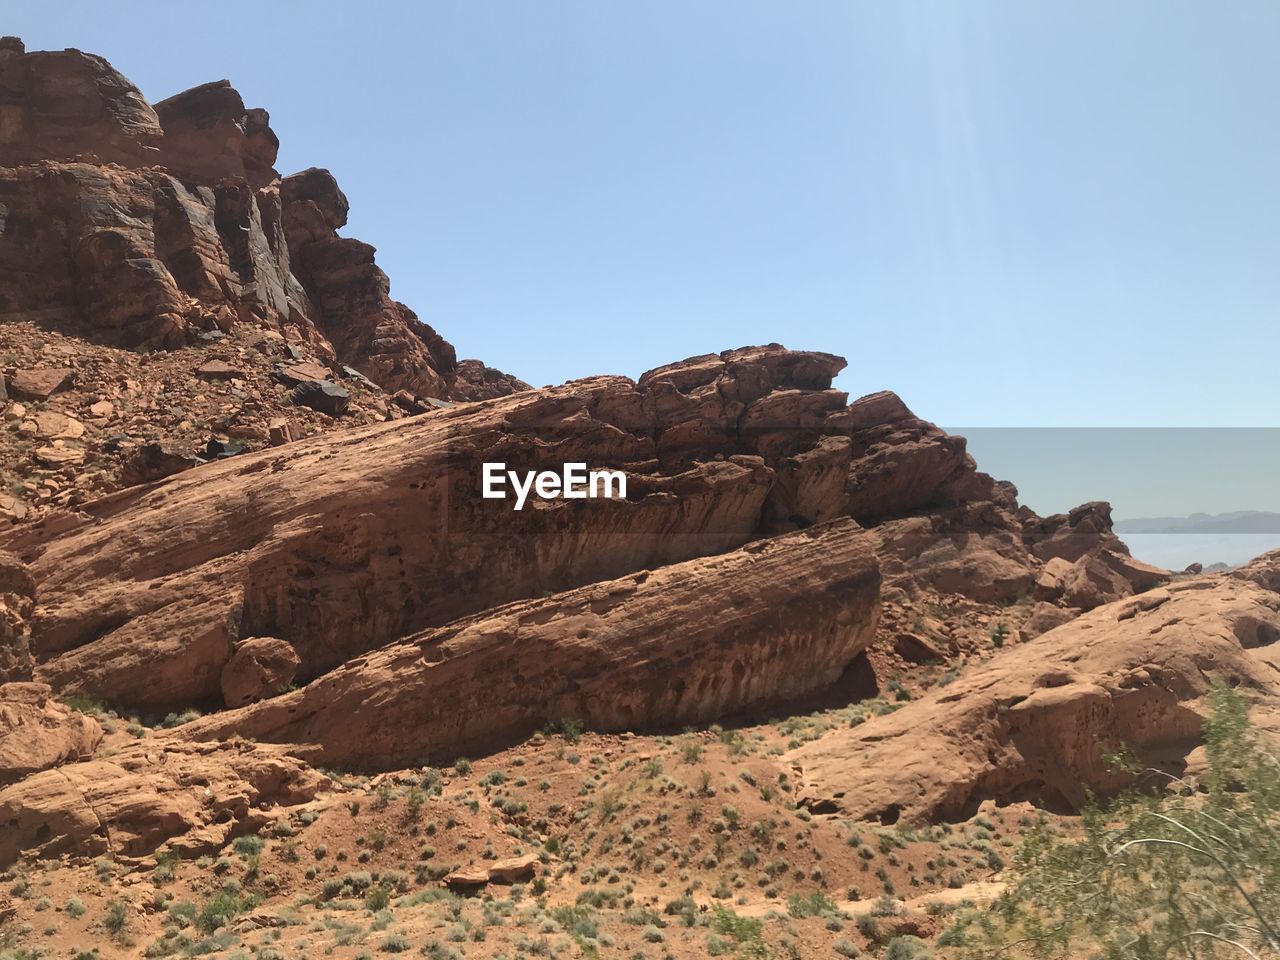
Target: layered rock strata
{"type": "Point", "coordinates": [683, 644]}
{"type": "Point", "coordinates": [144, 227]}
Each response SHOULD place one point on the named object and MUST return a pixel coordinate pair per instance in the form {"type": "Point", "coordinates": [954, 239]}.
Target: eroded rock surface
{"type": "Point", "coordinates": [17, 604]}
{"type": "Point", "coordinates": [192, 796]}
{"type": "Point", "coordinates": [475, 381]}
{"type": "Point", "coordinates": [350, 295]}
{"type": "Point", "coordinates": [145, 228]}
{"type": "Point", "coordinates": [684, 644]}
{"type": "Point", "coordinates": [37, 732]}
{"type": "Point", "coordinates": [259, 667]}
{"type": "Point", "coordinates": [1037, 721]}
{"type": "Point", "coordinates": [340, 547]}
{"type": "Point", "coordinates": [65, 104]}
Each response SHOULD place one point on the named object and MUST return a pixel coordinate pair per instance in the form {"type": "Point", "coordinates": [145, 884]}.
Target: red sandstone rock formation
{"type": "Point", "coordinates": [349, 296]}
{"type": "Point", "coordinates": [196, 797]}
{"type": "Point", "coordinates": [1038, 720]}
{"type": "Point", "coordinates": [339, 546]}
{"type": "Point", "coordinates": [17, 604]}
{"type": "Point", "coordinates": [474, 381]}
{"type": "Point", "coordinates": [683, 644]}
{"type": "Point", "coordinates": [59, 105]}
{"type": "Point", "coordinates": [37, 732]}
{"type": "Point", "coordinates": [259, 667]}
{"type": "Point", "coordinates": [142, 227]}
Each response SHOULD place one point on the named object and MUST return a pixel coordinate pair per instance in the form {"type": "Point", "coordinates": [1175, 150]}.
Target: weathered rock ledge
{"type": "Point", "coordinates": [684, 644]}
{"type": "Point", "coordinates": [1038, 721]}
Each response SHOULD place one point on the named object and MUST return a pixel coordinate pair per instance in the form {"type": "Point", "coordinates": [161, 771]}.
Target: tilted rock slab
{"type": "Point", "coordinates": [1037, 721]}
{"type": "Point", "coordinates": [685, 644]}
{"type": "Point", "coordinates": [343, 543]}
{"type": "Point", "coordinates": [194, 796]}
{"type": "Point", "coordinates": [346, 542]}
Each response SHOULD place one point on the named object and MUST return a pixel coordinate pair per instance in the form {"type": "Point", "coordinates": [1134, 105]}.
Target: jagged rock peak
{"type": "Point", "coordinates": [210, 134]}
{"type": "Point", "coordinates": [67, 104]}
{"type": "Point", "coordinates": [145, 227]}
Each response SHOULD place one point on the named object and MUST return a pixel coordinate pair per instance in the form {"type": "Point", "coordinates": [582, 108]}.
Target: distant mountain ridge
{"type": "Point", "coordinates": [1240, 521]}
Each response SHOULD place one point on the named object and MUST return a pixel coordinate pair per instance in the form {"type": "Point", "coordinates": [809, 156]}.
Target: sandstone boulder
{"type": "Point", "coordinates": [520, 869]}
{"type": "Point", "coordinates": [51, 425]}
{"type": "Point", "coordinates": [40, 384]}
{"type": "Point", "coordinates": [37, 732]}
{"type": "Point", "coordinates": [280, 432]}
{"type": "Point", "coordinates": [1138, 575]}
{"type": "Point", "coordinates": [466, 879]}
{"type": "Point", "coordinates": [510, 870]}
{"type": "Point", "coordinates": [914, 648]}
{"type": "Point", "coordinates": [1091, 582]}
{"type": "Point", "coordinates": [260, 667]}
{"type": "Point", "coordinates": [296, 374]}
{"type": "Point", "coordinates": [218, 370]}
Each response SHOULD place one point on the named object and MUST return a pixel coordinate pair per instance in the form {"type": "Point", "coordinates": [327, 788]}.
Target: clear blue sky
{"type": "Point", "coordinates": [1024, 212]}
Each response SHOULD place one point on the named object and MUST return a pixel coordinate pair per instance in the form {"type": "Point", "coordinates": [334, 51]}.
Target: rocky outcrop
{"type": "Point", "coordinates": [1085, 563]}
{"type": "Point", "coordinates": [1263, 570]}
{"type": "Point", "coordinates": [132, 257]}
{"type": "Point", "coordinates": [339, 548]}
{"type": "Point", "coordinates": [989, 549]}
{"type": "Point", "coordinates": [1038, 720]}
{"type": "Point", "coordinates": [17, 604]}
{"type": "Point", "coordinates": [144, 227]}
{"type": "Point", "coordinates": [680, 645]}
{"type": "Point", "coordinates": [904, 465]}
{"type": "Point", "coordinates": [474, 381]}
{"type": "Point", "coordinates": [193, 797]}
{"type": "Point", "coordinates": [37, 732]}
{"type": "Point", "coordinates": [61, 105]}
{"type": "Point", "coordinates": [209, 135]}
{"type": "Point", "coordinates": [974, 550]}
{"type": "Point", "coordinates": [1070, 536]}
{"type": "Point", "coordinates": [259, 667]}
{"type": "Point", "coordinates": [350, 295]}
{"type": "Point", "coordinates": [942, 525]}
{"type": "Point", "coordinates": [509, 870]}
